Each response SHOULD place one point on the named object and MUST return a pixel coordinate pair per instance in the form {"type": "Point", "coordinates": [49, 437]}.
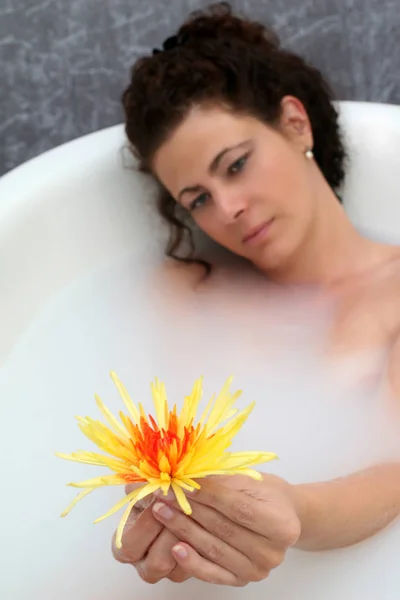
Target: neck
{"type": "Point", "coordinates": [333, 249]}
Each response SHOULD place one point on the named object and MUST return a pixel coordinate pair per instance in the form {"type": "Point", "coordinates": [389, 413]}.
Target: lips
{"type": "Point", "coordinates": [253, 233]}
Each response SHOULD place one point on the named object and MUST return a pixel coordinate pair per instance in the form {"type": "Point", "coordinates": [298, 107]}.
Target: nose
{"type": "Point", "coordinates": [230, 206]}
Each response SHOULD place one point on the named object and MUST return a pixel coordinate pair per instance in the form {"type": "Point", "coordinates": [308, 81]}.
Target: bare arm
{"type": "Point", "coordinates": [346, 511]}
{"type": "Point", "coordinates": [393, 374]}
{"type": "Point", "coordinates": [351, 509]}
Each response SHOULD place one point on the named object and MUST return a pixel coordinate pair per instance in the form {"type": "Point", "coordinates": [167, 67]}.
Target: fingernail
{"type": "Point", "coordinates": [163, 510]}
{"type": "Point", "coordinates": [193, 492]}
{"type": "Point", "coordinates": [180, 551]}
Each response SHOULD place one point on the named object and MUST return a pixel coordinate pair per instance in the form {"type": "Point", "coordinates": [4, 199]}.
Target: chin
{"type": "Point", "coordinates": [273, 259]}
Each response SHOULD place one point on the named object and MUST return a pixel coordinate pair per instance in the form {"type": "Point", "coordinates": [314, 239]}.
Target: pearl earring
{"type": "Point", "coordinates": [309, 154]}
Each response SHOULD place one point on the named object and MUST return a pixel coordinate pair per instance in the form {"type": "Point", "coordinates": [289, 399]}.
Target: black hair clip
{"type": "Point", "coordinates": [170, 43]}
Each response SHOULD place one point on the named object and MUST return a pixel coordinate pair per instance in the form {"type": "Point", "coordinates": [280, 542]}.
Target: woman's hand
{"type": "Point", "coordinates": [147, 545]}
{"type": "Point", "coordinates": [213, 542]}
{"type": "Point", "coordinates": [239, 530]}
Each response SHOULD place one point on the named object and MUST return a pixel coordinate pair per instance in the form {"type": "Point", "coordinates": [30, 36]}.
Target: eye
{"type": "Point", "coordinates": [238, 165]}
{"type": "Point", "coordinates": [199, 201]}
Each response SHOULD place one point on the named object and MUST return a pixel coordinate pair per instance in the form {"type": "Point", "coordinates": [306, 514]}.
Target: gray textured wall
{"type": "Point", "coordinates": [63, 63]}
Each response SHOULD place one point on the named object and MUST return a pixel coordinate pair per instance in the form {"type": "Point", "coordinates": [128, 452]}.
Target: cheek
{"type": "Point", "coordinates": [218, 231]}
{"type": "Point", "coordinates": [208, 222]}
{"type": "Point", "coordinates": [288, 184]}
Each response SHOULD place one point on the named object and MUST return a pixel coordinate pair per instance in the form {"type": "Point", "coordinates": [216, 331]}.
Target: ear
{"type": "Point", "coordinates": [295, 124]}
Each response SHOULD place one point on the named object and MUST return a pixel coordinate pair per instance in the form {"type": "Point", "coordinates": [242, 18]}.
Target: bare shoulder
{"type": "Point", "coordinates": [393, 313]}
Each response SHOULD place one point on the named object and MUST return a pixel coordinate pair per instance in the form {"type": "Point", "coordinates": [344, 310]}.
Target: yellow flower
{"type": "Point", "coordinates": [170, 451]}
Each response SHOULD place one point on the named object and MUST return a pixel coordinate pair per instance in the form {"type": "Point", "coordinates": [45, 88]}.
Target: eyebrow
{"type": "Point", "coordinates": [213, 167]}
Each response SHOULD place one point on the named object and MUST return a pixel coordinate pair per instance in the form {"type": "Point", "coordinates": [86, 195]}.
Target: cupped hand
{"type": "Point", "coordinates": [239, 530]}
{"type": "Point", "coordinates": [147, 545]}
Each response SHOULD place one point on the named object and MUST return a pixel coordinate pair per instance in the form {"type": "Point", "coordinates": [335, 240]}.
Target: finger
{"type": "Point", "coordinates": [207, 545]}
{"type": "Point", "coordinates": [141, 530]}
{"type": "Point", "coordinates": [274, 519]}
{"type": "Point", "coordinates": [201, 568]}
{"type": "Point", "coordinates": [159, 561]}
{"type": "Point", "coordinates": [178, 575]}
{"type": "Point", "coordinates": [261, 552]}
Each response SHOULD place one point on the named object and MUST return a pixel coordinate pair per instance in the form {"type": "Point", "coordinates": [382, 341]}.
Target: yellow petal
{"type": "Point", "coordinates": [189, 482]}
{"type": "Point", "coordinates": [222, 407]}
{"type": "Point", "coordinates": [173, 451]}
{"type": "Point", "coordinates": [230, 429]}
{"type": "Point", "coordinates": [194, 399]}
{"type": "Point", "coordinates": [249, 473]}
{"type": "Point", "coordinates": [207, 473]}
{"type": "Point", "coordinates": [184, 464]}
{"type": "Point", "coordinates": [147, 490]}
{"type": "Point", "coordinates": [122, 523]}
{"type": "Point", "coordinates": [247, 459]}
{"type": "Point", "coordinates": [206, 410]}
{"type": "Point", "coordinates": [147, 470]}
{"type": "Point", "coordinates": [190, 405]}
{"type": "Point", "coordinates": [110, 418]}
{"type": "Point", "coordinates": [186, 486]}
{"type": "Point", "coordinates": [164, 465]}
{"type": "Point", "coordinates": [142, 413]}
{"type": "Point", "coordinates": [130, 427]}
{"type": "Point", "coordinates": [165, 485]}
{"type": "Point", "coordinates": [90, 458]}
{"type": "Point", "coordinates": [138, 472]}
{"type": "Point", "coordinates": [225, 460]}
{"type": "Point", "coordinates": [99, 482]}
{"type": "Point", "coordinates": [160, 403]}
{"type": "Point", "coordinates": [77, 457]}
{"type": "Point", "coordinates": [76, 500]}
{"type": "Point", "coordinates": [126, 399]}
{"type": "Point", "coordinates": [182, 500]}
{"type": "Point", "coordinates": [132, 496]}
{"type": "Point", "coordinates": [209, 454]}
{"type": "Point", "coordinates": [106, 439]}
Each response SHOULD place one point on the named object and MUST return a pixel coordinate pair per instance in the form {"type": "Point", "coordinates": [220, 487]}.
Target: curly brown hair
{"type": "Point", "coordinates": [218, 57]}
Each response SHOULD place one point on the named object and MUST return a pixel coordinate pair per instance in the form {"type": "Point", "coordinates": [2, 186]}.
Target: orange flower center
{"type": "Point", "coordinates": [162, 449]}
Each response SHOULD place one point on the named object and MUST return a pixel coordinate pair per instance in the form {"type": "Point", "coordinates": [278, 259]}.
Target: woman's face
{"type": "Point", "coordinates": [248, 186]}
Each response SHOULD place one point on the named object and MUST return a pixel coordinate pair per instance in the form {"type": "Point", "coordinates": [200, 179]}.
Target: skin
{"type": "Point", "coordinates": [241, 529]}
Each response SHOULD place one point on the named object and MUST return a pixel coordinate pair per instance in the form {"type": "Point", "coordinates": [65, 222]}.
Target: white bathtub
{"type": "Point", "coordinates": [80, 244]}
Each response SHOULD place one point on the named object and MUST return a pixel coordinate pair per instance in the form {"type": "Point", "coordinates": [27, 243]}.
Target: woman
{"type": "Point", "coordinates": [243, 137]}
